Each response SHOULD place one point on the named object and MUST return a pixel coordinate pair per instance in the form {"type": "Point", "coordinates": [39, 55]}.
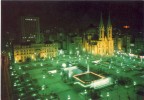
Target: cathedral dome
{"type": "Point", "coordinates": [91, 29]}
{"type": "Point", "coordinates": [95, 37]}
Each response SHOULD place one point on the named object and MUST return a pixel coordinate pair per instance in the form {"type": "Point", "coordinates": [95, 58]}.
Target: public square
{"type": "Point", "coordinates": [43, 79]}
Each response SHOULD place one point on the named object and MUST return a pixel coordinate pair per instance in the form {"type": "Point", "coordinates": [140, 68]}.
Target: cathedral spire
{"type": "Point", "coordinates": [101, 22]}
{"type": "Point", "coordinates": [109, 21]}
{"type": "Point", "coordinates": [109, 28]}
{"type": "Point", "coordinates": [101, 29]}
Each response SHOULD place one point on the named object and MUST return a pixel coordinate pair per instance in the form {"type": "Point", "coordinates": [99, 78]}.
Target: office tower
{"type": "Point", "coordinates": [30, 30]}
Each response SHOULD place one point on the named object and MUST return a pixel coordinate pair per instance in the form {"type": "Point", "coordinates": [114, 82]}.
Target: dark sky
{"type": "Point", "coordinates": [72, 14]}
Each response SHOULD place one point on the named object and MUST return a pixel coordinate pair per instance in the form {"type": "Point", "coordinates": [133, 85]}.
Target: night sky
{"type": "Point", "coordinates": [72, 14]}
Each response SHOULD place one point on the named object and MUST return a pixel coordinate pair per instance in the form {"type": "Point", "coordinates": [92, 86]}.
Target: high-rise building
{"type": "Point", "coordinates": [126, 43]}
{"type": "Point", "coordinates": [30, 29]}
{"type": "Point", "coordinates": [139, 45]}
{"type": "Point", "coordinates": [118, 43]}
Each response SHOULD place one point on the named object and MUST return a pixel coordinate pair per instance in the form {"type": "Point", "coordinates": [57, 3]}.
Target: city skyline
{"type": "Point", "coordinates": [72, 15]}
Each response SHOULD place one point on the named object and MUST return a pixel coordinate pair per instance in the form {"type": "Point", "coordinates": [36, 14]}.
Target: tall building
{"type": "Point", "coordinates": [122, 43]}
{"type": "Point", "coordinates": [75, 45]}
{"type": "Point", "coordinates": [99, 41]}
{"type": "Point", "coordinates": [118, 43]}
{"type": "Point", "coordinates": [32, 47]}
{"type": "Point", "coordinates": [139, 45]}
{"type": "Point", "coordinates": [126, 43]}
{"type": "Point", "coordinates": [30, 29]}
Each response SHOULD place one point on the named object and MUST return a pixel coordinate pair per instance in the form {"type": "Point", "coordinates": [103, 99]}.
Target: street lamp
{"type": "Point", "coordinates": [61, 52]}
{"type": "Point", "coordinates": [69, 97]}
{"type": "Point", "coordinates": [10, 67]}
{"type": "Point", "coordinates": [107, 95]}
{"type": "Point", "coordinates": [43, 76]}
{"type": "Point", "coordinates": [121, 63]}
{"type": "Point", "coordinates": [57, 61]}
{"type": "Point", "coordinates": [15, 84]}
{"type": "Point", "coordinates": [63, 65]}
{"type": "Point", "coordinates": [117, 71]}
{"type": "Point", "coordinates": [101, 95]}
{"type": "Point", "coordinates": [63, 55]}
{"type": "Point", "coordinates": [70, 52]}
{"type": "Point", "coordinates": [41, 64]}
{"type": "Point", "coordinates": [69, 57]}
{"type": "Point", "coordinates": [141, 57]}
{"type": "Point", "coordinates": [19, 68]}
{"type": "Point", "coordinates": [12, 74]}
{"type": "Point", "coordinates": [86, 61]}
{"type": "Point", "coordinates": [134, 83]}
{"type": "Point", "coordinates": [87, 57]}
{"type": "Point", "coordinates": [77, 52]}
{"type": "Point", "coordinates": [85, 92]}
{"type": "Point", "coordinates": [43, 87]}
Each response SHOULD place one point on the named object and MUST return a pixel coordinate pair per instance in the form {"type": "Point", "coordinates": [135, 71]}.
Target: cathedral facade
{"type": "Point", "coordinates": [99, 41]}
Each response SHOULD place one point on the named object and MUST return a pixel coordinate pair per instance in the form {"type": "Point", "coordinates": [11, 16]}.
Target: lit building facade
{"type": "Point", "coordinates": [126, 43]}
{"type": "Point", "coordinates": [34, 51]}
{"type": "Point", "coordinates": [78, 42]}
{"type": "Point", "coordinates": [122, 43]}
{"type": "Point", "coordinates": [30, 29]}
{"type": "Point", "coordinates": [118, 43]}
{"type": "Point", "coordinates": [101, 43]}
{"type": "Point", "coordinates": [74, 45]}
{"type": "Point", "coordinates": [139, 45]}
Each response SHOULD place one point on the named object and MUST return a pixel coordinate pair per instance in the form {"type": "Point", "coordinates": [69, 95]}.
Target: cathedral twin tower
{"type": "Point", "coordinates": [102, 29]}
{"type": "Point", "coordinates": [103, 44]}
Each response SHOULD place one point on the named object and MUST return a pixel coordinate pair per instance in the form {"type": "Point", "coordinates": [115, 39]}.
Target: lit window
{"type": "Point", "coordinates": [29, 19]}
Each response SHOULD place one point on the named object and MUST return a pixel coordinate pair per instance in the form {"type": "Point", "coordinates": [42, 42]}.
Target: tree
{"type": "Point", "coordinates": [28, 59]}
{"type": "Point", "coordinates": [124, 81]}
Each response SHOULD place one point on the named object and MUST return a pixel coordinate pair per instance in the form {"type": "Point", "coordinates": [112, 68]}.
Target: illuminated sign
{"type": "Point", "coordinates": [29, 19]}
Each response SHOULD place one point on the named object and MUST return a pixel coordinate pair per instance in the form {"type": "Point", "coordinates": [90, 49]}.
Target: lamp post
{"type": "Point", "coordinates": [108, 95]}
{"type": "Point", "coordinates": [68, 97]}
{"type": "Point", "coordinates": [127, 90]}
{"type": "Point", "coordinates": [43, 86]}
{"type": "Point", "coordinates": [134, 83]}
{"type": "Point", "coordinates": [141, 58]}
{"type": "Point", "coordinates": [85, 92]}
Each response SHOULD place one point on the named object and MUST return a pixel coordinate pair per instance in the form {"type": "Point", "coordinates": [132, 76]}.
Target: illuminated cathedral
{"type": "Point", "coordinates": [99, 41]}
